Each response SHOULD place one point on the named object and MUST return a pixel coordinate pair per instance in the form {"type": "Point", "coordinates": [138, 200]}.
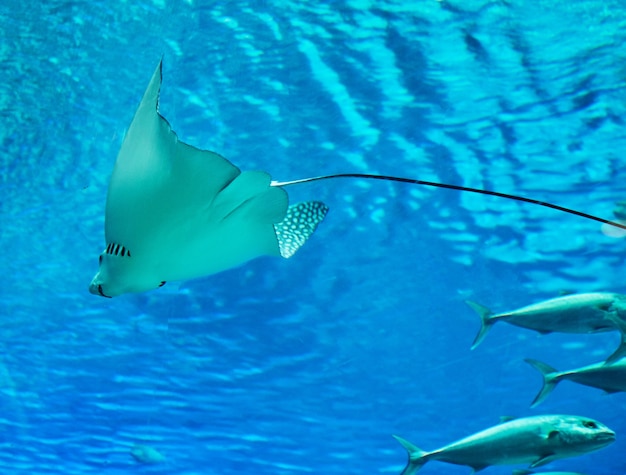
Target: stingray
{"type": "Point", "coordinates": [175, 212]}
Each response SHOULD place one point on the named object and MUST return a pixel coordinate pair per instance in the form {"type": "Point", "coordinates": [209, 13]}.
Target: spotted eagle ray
{"type": "Point", "coordinates": [175, 212]}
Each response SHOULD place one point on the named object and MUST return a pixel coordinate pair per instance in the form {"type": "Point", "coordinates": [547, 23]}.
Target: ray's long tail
{"type": "Point", "coordinates": [451, 187]}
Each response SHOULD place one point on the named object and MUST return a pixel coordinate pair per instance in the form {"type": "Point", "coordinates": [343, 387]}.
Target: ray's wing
{"type": "Point", "coordinates": [182, 212]}
{"type": "Point", "coordinates": [245, 211]}
{"type": "Point", "coordinates": [157, 179]}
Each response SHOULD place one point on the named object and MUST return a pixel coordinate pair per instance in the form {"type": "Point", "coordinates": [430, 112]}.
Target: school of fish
{"type": "Point", "coordinates": [539, 440]}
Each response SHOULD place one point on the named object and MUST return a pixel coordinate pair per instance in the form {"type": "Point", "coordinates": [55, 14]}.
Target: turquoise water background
{"type": "Point", "coordinates": [308, 365]}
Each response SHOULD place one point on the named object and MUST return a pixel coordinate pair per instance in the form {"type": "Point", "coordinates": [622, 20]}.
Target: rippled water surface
{"type": "Point", "coordinates": [308, 365]}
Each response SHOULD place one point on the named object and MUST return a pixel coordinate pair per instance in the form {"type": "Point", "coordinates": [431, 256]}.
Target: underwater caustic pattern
{"type": "Point", "coordinates": [306, 365]}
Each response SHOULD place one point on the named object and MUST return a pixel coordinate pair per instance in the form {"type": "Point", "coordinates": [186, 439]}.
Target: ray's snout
{"type": "Point", "coordinates": [93, 288]}
{"type": "Point", "coordinates": [96, 288]}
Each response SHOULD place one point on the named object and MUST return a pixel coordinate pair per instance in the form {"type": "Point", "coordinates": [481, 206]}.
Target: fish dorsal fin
{"type": "Point", "coordinates": [504, 419]}
{"type": "Point", "coordinates": [300, 222]}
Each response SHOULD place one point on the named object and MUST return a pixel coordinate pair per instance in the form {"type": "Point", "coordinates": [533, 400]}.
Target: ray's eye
{"type": "Point", "coordinates": [590, 424]}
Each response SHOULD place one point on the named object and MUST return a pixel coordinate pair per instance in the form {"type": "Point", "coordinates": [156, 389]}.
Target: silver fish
{"type": "Point", "coordinates": [611, 378]}
{"type": "Point", "coordinates": [146, 454]}
{"type": "Point", "coordinates": [535, 440]}
{"type": "Point", "coordinates": [577, 313]}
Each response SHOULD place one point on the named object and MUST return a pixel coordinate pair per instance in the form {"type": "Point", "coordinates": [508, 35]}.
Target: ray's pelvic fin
{"type": "Point", "coordinates": [299, 224]}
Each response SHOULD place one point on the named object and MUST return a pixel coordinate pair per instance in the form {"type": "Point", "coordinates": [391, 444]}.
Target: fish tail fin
{"type": "Point", "coordinates": [549, 380]}
{"type": "Point", "coordinates": [417, 457]}
{"type": "Point", "coordinates": [486, 322]}
{"type": "Point", "coordinates": [620, 352]}
{"type": "Point", "coordinates": [299, 224]}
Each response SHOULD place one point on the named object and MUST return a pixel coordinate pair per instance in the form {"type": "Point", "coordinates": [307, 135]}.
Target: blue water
{"type": "Point", "coordinates": [308, 365]}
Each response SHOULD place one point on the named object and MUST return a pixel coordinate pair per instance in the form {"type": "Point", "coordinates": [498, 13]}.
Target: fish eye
{"type": "Point", "coordinates": [590, 424]}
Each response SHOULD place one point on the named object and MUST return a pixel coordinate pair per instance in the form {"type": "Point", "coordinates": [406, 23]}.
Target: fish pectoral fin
{"type": "Point", "coordinates": [608, 392]}
{"type": "Point", "coordinates": [553, 434]}
{"type": "Point", "coordinates": [478, 468]}
{"type": "Point", "coordinates": [544, 459]}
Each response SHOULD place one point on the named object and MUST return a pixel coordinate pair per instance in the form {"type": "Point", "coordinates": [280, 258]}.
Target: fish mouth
{"type": "Point", "coordinates": [96, 289]}
{"type": "Point", "coordinates": [606, 437]}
